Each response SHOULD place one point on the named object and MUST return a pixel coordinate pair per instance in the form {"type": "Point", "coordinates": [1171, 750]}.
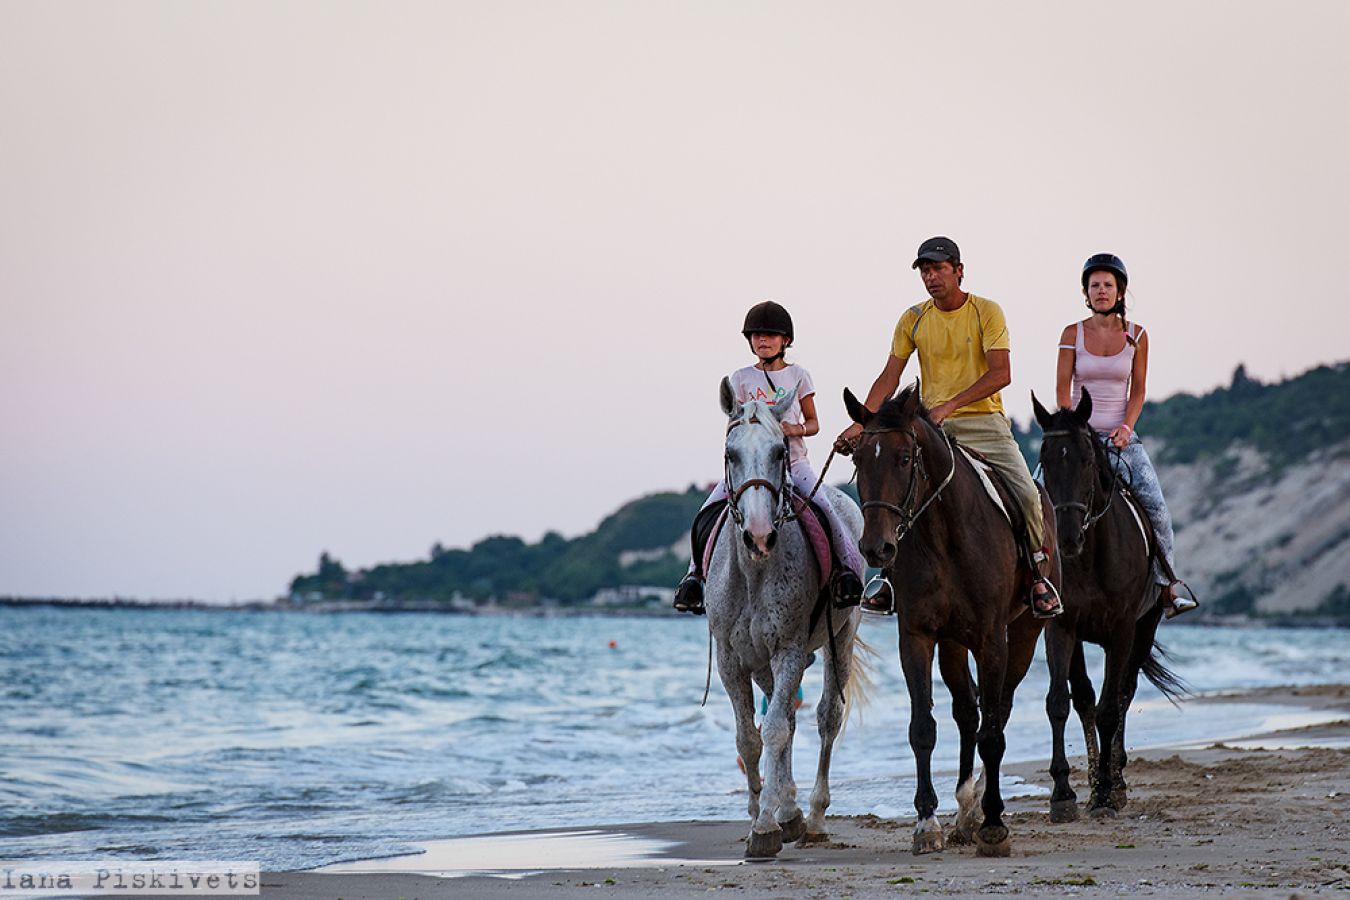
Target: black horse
{"type": "Point", "coordinates": [1106, 550]}
{"type": "Point", "coordinates": [959, 589]}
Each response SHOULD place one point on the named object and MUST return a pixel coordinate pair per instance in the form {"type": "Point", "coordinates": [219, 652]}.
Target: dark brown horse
{"type": "Point", "coordinates": [959, 589]}
{"type": "Point", "coordinates": [1106, 550]}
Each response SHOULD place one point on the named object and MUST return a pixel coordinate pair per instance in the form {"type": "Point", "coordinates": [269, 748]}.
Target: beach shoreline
{"type": "Point", "coordinates": [1262, 816]}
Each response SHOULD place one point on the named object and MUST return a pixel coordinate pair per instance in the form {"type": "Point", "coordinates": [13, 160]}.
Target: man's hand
{"type": "Point", "coordinates": [940, 412]}
{"type": "Point", "coordinates": [847, 440]}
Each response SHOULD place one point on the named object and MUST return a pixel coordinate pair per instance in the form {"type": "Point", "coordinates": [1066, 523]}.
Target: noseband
{"type": "Point", "coordinates": [907, 515]}
{"type": "Point", "coordinates": [1089, 517]}
{"type": "Point", "coordinates": [780, 492]}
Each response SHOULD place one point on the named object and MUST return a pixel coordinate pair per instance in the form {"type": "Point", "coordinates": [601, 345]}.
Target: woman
{"type": "Point", "coordinates": [1109, 356]}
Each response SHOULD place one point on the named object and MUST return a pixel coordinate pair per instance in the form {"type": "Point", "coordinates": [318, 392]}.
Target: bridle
{"type": "Point", "coordinates": [781, 492]}
{"type": "Point", "coordinates": [907, 515]}
{"type": "Point", "coordinates": [1089, 517]}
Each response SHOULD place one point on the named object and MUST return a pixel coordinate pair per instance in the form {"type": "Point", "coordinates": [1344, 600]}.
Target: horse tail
{"type": "Point", "coordinates": [861, 683]}
{"type": "Point", "coordinates": [1161, 677]}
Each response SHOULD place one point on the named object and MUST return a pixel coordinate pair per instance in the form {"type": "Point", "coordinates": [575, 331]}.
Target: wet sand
{"type": "Point", "coordinates": [1266, 816]}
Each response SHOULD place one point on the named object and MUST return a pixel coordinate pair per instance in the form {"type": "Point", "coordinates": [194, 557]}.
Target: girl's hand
{"type": "Point", "coordinates": [1120, 435]}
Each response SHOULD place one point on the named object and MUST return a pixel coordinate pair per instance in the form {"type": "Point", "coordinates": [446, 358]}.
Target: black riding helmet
{"type": "Point", "coordinates": [767, 318]}
{"type": "Point", "coordinates": [1106, 262]}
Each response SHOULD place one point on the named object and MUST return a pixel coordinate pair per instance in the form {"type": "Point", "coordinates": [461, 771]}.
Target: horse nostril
{"type": "Point", "coordinates": [749, 541]}
{"type": "Point", "coordinates": [886, 552]}
{"type": "Point", "coordinates": [771, 539]}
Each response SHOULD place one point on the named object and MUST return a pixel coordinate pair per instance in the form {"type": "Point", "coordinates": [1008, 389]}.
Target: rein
{"type": "Point", "coordinates": [907, 517]}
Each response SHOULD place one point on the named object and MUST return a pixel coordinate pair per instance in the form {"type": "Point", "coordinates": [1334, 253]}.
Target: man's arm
{"type": "Point", "coordinates": [996, 379]}
{"type": "Point", "coordinates": [881, 391]}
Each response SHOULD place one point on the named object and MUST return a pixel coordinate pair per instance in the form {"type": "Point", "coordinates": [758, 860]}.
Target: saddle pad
{"type": "Point", "coordinates": [711, 543]}
{"type": "Point", "coordinates": [815, 536]}
{"type": "Point", "coordinates": [811, 527]}
{"type": "Point", "coordinates": [1134, 511]}
{"type": "Point", "coordinates": [982, 469]}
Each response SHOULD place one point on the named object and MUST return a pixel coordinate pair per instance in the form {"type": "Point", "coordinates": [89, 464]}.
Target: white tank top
{"type": "Point", "coordinates": [1107, 379]}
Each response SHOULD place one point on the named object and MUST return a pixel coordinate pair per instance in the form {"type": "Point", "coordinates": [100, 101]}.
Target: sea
{"type": "Point", "coordinates": [300, 740]}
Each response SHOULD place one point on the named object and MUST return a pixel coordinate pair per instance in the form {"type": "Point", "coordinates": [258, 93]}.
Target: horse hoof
{"type": "Point", "coordinates": [793, 828]}
{"type": "Point", "coordinates": [763, 846]}
{"type": "Point", "coordinates": [1118, 800]}
{"type": "Point", "coordinates": [1102, 811]}
{"type": "Point", "coordinates": [813, 837]}
{"type": "Point", "coordinates": [927, 842]}
{"type": "Point", "coordinates": [1062, 811]}
{"type": "Point", "coordinates": [958, 837]}
{"type": "Point", "coordinates": [993, 840]}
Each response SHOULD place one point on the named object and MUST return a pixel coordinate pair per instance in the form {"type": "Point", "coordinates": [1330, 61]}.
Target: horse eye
{"type": "Point", "coordinates": [904, 459]}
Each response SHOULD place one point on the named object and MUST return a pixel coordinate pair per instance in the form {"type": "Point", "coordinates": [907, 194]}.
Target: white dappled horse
{"type": "Point", "coordinates": [763, 582]}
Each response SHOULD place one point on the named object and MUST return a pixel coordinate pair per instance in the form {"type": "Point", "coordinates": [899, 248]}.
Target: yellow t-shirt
{"type": "Point", "coordinates": [952, 347]}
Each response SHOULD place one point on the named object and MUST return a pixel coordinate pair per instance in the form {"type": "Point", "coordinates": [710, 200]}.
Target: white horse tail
{"type": "Point", "coordinates": [861, 685]}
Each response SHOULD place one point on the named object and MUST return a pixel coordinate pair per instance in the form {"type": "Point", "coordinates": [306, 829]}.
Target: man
{"type": "Point", "coordinates": [962, 341]}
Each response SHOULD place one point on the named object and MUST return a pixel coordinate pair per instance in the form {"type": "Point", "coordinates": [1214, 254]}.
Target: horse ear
{"type": "Point", "coordinates": [910, 403]}
{"type": "Point", "coordinates": [727, 397]}
{"type": "Point", "coordinates": [1042, 415]}
{"type": "Point", "coordinates": [856, 411]}
{"type": "Point", "coordinates": [1084, 410]}
{"type": "Point", "coordinates": [781, 404]}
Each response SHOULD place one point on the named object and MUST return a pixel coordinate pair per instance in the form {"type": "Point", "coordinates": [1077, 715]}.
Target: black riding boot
{"type": "Point", "coordinates": [689, 595]}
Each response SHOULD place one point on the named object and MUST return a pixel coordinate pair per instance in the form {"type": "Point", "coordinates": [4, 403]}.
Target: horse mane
{"type": "Point", "coordinates": [757, 412]}
{"type": "Point", "coordinates": [899, 411]}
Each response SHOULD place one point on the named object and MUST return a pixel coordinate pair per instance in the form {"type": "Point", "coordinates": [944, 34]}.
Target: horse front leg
{"type": "Point", "coordinates": [954, 664]}
{"type": "Point", "coordinates": [992, 837]}
{"type": "Point", "coordinates": [1110, 712]}
{"type": "Point", "coordinates": [779, 819]}
{"type": "Point", "coordinates": [1085, 705]}
{"type": "Point", "coordinates": [916, 661]}
{"type": "Point", "coordinates": [737, 683]}
{"type": "Point", "coordinates": [830, 713]}
{"type": "Point", "coordinates": [1059, 649]}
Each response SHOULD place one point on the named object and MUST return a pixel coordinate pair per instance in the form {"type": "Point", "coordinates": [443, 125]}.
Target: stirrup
{"type": "Point", "coordinates": [878, 598]}
{"type": "Point", "coordinates": [1183, 602]}
{"type": "Point", "coordinates": [1053, 611]}
{"type": "Point", "coordinates": [846, 588]}
{"type": "Point", "coordinates": [689, 595]}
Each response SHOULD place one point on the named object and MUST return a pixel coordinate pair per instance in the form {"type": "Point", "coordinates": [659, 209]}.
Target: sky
{"type": "Point", "coordinates": [291, 277]}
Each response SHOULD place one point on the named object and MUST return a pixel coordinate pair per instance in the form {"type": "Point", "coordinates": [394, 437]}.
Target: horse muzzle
{"type": "Point", "coordinates": [759, 545]}
{"type": "Point", "coordinates": [879, 553]}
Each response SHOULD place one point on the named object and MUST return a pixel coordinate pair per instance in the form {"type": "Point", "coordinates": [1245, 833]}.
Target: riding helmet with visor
{"type": "Point", "coordinates": [1106, 262]}
{"type": "Point", "coordinates": [767, 317]}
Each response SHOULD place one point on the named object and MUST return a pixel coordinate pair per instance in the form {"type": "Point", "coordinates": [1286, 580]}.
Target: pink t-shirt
{"type": "Point", "coordinates": [1107, 379]}
{"type": "Point", "coordinates": [751, 383]}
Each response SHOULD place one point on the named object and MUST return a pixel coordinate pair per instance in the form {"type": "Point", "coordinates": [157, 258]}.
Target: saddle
{"type": "Point", "coordinates": [816, 527]}
{"type": "Point", "coordinates": [1001, 495]}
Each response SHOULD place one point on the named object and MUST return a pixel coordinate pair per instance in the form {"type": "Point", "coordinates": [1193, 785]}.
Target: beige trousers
{"type": "Point", "coordinates": [991, 436]}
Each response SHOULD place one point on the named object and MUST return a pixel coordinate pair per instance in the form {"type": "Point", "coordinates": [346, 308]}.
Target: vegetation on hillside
{"type": "Point", "coordinates": [1284, 421]}
{"type": "Point", "coordinates": [642, 542]}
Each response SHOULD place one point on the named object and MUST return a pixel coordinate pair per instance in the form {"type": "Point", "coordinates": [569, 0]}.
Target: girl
{"type": "Point", "coordinates": [1109, 356]}
{"type": "Point", "coordinates": [768, 329]}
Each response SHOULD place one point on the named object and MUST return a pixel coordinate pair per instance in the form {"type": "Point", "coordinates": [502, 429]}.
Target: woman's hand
{"type": "Point", "coordinates": [848, 439]}
{"type": "Point", "coordinates": [1120, 435]}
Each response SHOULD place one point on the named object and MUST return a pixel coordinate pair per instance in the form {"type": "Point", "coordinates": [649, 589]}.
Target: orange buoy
{"type": "Point", "coordinates": [613, 644]}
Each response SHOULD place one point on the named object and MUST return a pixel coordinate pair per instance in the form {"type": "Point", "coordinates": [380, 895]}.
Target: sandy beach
{"type": "Point", "coordinates": [1265, 816]}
